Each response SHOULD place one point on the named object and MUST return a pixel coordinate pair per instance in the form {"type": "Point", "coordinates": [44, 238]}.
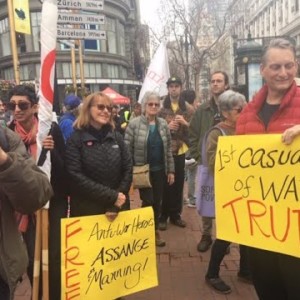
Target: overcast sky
{"type": "Point", "coordinates": [149, 11]}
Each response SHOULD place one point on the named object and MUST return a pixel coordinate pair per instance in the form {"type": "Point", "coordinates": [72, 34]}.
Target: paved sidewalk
{"type": "Point", "coordinates": [181, 268]}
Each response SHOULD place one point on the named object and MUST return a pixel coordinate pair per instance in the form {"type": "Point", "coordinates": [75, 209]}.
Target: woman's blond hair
{"type": "Point", "coordinates": [84, 118]}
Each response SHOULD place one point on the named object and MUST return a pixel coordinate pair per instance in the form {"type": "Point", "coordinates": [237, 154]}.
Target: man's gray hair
{"type": "Point", "coordinates": [229, 99]}
{"type": "Point", "coordinates": [147, 97]}
{"type": "Point", "coordinates": [279, 43]}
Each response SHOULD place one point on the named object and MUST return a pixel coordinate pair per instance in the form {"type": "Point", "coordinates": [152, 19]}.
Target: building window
{"type": "Point", "coordinates": [92, 70]}
{"type": "Point", "coordinates": [123, 72]}
{"type": "Point", "coordinates": [66, 69]}
{"type": "Point", "coordinates": [9, 74]}
{"type": "Point", "coordinates": [92, 45]}
{"type": "Point", "coordinates": [121, 39]}
{"type": "Point", "coordinates": [21, 45]}
{"type": "Point", "coordinates": [112, 71]}
{"type": "Point", "coordinates": [5, 39]}
{"type": "Point", "coordinates": [36, 24]}
{"type": "Point", "coordinates": [111, 41]}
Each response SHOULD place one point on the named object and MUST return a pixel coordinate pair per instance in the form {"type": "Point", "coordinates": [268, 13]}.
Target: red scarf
{"type": "Point", "coordinates": [29, 138]}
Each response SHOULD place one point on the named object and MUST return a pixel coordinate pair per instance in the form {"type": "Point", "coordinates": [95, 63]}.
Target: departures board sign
{"type": "Point", "coordinates": [73, 17]}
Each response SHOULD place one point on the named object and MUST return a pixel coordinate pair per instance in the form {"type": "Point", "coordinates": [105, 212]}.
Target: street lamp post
{"type": "Point", "coordinates": [185, 44]}
{"type": "Point", "coordinates": [246, 62]}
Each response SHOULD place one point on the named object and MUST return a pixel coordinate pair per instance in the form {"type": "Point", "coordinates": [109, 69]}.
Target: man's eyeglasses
{"type": "Point", "coordinates": [102, 107]}
{"type": "Point", "coordinates": [21, 105]}
{"type": "Point", "coordinates": [153, 104]}
{"type": "Point", "coordinates": [238, 110]}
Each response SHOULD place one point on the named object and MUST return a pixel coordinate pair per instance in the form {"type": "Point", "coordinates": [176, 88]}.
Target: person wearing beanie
{"type": "Point", "coordinates": [71, 105]}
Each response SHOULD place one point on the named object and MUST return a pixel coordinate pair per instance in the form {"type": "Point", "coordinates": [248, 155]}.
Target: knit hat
{"type": "Point", "coordinates": [72, 101]}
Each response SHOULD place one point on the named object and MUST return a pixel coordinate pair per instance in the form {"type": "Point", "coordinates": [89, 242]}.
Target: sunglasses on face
{"type": "Point", "coordinates": [153, 104]}
{"type": "Point", "coordinates": [21, 105]}
{"type": "Point", "coordinates": [102, 107]}
{"type": "Point", "coordinates": [238, 110]}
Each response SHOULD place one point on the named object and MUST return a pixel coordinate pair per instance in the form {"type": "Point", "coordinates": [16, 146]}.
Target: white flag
{"type": "Point", "coordinates": [46, 92]}
{"type": "Point", "coordinates": [157, 74]}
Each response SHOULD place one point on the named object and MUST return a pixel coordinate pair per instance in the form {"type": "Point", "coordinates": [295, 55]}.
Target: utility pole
{"type": "Point", "coordinates": [13, 41]}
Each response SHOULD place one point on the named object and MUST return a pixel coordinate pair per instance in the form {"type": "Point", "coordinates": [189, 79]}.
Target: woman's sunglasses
{"type": "Point", "coordinates": [21, 105]}
{"type": "Point", "coordinates": [102, 107]}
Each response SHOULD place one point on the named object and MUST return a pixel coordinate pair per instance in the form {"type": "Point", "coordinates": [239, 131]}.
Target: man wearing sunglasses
{"type": "Point", "coordinates": [23, 104]}
{"type": "Point", "coordinates": [206, 116]}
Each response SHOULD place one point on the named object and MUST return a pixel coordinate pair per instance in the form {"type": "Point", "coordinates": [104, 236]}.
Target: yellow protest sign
{"type": "Point", "coordinates": [22, 16]}
{"type": "Point", "coordinates": [106, 260]}
{"type": "Point", "coordinates": [257, 188]}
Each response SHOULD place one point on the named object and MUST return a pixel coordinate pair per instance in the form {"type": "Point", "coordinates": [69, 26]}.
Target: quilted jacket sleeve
{"type": "Point", "coordinates": [126, 165]}
{"type": "Point", "coordinates": [22, 182]}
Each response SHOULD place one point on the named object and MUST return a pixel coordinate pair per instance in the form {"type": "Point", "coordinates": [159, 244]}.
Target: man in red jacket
{"type": "Point", "coordinates": [275, 108]}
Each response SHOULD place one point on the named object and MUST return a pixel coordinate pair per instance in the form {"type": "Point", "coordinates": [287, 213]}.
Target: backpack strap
{"type": "Point", "coordinates": [203, 149]}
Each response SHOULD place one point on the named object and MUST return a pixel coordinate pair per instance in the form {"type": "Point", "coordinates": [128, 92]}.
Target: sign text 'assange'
{"type": "Point", "coordinates": [257, 188]}
{"type": "Point", "coordinates": [106, 260]}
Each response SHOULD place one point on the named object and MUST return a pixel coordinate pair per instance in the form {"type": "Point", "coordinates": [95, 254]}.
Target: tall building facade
{"type": "Point", "coordinates": [115, 62]}
{"type": "Point", "coordinates": [260, 20]}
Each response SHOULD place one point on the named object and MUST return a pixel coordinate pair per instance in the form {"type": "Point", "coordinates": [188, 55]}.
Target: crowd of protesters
{"type": "Point", "coordinates": [95, 146]}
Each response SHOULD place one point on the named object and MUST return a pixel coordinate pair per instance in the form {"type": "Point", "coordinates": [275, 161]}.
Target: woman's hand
{"type": "Point", "coordinates": [111, 215]}
{"type": "Point", "coordinates": [120, 200]}
{"type": "Point", "coordinates": [171, 178]}
{"type": "Point", "coordinates": [48, 143]}
{"type": "Point", "coordinates": [289, 134]}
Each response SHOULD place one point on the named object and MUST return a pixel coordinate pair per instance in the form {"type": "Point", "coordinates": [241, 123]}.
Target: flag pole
{"type": "Point", "coordinates": [81, 66]}
{"type": "Point", "coordinates": [45, 253]}
{"type": "Point", "coordinates": [13, 41]}
{"type": "Point", "coordinates": [37, 257]}
{"type": "Point", "coordinates": [73, 62]}
{"type": "Point", "coordinates": [45, 115]}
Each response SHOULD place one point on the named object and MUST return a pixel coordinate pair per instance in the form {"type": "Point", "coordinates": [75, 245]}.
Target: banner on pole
{"type": "Point", "coordinates": [257, 189]}
{"type": "Point", "coordinates": [22, 16]}
{"type": "Point", "coordinates": [107, 260]}
{"type": "Point", "coordinates": [157, 74]}
{"type": "Point", "coordinates": [46, 87]}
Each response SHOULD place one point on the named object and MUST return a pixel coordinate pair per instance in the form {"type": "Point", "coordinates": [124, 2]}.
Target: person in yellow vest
{"type": "Point", "coordinates": [124, 118]}
{"type": "Point", "coordinates": [177, 113]}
